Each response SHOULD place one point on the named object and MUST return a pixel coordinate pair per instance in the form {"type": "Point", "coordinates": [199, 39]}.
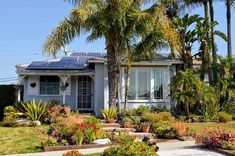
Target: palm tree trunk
{"type": "Point", "coordinates": [214, 53]}
{"type": "Point", "coordinates": [229, 43]}
{"type": "Point", "coordinates": [128, 73]}
{"type": "Point", "coordinates": [186, 107]}
{"type": "Point", "coordinates": [204, 51]}
{"type": "Point", "coordinates": [208, 55]}
{"type": "Point", "coordinates": [113, 73]}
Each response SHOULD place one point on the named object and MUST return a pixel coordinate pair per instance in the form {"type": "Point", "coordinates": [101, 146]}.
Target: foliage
{"type": "Point", "coordinates": [216, 138]}
{"type": "Point", "coordinates": [187, 89]}
{"type": "Point", "coordinates": [76, 131]}
{"type": "Point", "coordinates": [142, 109]}
{"type": "Point", "coordinates": [35, 111]}
{"type": "Point", "coordinates": [122, 138]}
{"type": "Point", "coordinates": [164, 129]}
{"type": "Point", "coordinates": [92, 119]}
{"type": "Point", "coordinates": [181, 128]}
{"type": "Point", "coordinates": [193, 118]}
{"type": "Point", "coordinates": [10, 115]}
{"type": "Point", "coordinates": [130, 149]}
{"type": "Point", "coordinates": [73, 153]}
{"type": "Point", "coordinates": [223, 117]}
{"type": "Point", "coordinates": [56, 110]}
{"type": "Point", "coordinates": [157, 117]}
{"type": "Point", "coordinates": [209, 110]}
{"type": "Point", "coordinates": [110, 113]}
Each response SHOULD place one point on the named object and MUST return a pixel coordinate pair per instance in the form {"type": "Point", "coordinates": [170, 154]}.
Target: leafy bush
{"type": "Point", "coordinates": [35, 111]}
{"type": "Point", "coordinates": [130, 149]}
{"type": "Point", "coordinates": [181, 128]}
{"type": "Point", "coordinates": [193, 118]}
{"type": "Point", "coordinates": [56, 110]}
{"type": "Point", "coordinates": [10, 115]}
{"type": "Point", "coordinates": [162, 116]}
{"type": "Point", "coordinates": [93, 120]}
{"type": "Point", "coordinates": [223, 117]}
{"type": "Point", "coordinates": [122, 138]}
{"type": "Point", "coordinates": [72, 131]}
{"type": "Point", "coordinates": [142, 109]}
{"type": "Point", "coordinates": [164, 130]}
{"type": "Point", "coordinates": [216, 138]}
{"type": "Point", "coordinates": [73, 153]}
{"type": "Point", "coordinates": [110, 113]}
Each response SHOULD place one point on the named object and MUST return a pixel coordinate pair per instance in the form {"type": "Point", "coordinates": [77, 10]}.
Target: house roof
{"type": "Point", "coordinates": [76, 63]}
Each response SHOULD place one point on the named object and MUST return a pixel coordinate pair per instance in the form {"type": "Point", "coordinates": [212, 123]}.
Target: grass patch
{"type": "Point", "coordinates": [200, 127]}
{"type": "Point", "coordinates": [94, 154]}
{"type": "Point", "coordinates": [21, 139]}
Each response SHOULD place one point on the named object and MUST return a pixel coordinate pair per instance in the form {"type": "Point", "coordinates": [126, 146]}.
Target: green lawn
{"type": "Point", "coordinates": [199, 127]}
{"type": "Point", "coordinates": [21, 139]}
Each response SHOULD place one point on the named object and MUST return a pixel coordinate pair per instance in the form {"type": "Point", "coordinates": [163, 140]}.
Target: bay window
{"type": "Point", "coordinates": [146, 84]}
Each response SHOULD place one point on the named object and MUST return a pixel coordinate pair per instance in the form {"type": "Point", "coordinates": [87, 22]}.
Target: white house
{"type": "Point", "coordinates": [81, 80]}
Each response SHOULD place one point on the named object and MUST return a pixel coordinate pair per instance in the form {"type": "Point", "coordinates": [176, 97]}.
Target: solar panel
{"type": "Point", "coordinates": [74, 61]}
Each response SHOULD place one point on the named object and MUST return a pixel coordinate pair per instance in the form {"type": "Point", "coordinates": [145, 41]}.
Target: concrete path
{"type": "Point", "coordinates": [173, 148]}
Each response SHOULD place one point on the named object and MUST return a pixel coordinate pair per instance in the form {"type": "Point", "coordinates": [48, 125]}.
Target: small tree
{"type": "Point", "coordinates": [185, 89]}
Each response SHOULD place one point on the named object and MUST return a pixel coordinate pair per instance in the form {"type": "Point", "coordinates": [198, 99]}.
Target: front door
{"type": "Point", "coordinates": [85, 94]}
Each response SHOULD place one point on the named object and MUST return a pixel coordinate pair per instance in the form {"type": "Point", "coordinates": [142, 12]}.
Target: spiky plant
{"type": "Point", "coordinates": [110, 113]}
{"type": "Point", "coordinates": [36, 111]}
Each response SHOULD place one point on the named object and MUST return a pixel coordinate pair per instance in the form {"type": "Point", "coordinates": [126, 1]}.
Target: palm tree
{"type": "Point", "coordinates": [116, 21]}
{"type": "Point", "coordinates": [187, 37]}
{"type": "Point", "coordinates": [202, 30]}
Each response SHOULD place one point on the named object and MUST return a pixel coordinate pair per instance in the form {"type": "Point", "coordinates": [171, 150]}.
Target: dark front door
{"type": "Point", "coordinates": [85, 94]}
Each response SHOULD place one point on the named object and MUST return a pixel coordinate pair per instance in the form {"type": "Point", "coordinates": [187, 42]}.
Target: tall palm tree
{"type": "Point", "coordinates": [229, 43]}
{"type": "Point", "coordinates": [115, 20]}
{"type": "Point", "coordinates": [187, 37]}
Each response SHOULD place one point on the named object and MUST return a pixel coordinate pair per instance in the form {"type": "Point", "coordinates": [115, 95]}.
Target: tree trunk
{"type": "Point", "coordinates": [204, 51]}
{"type": "Point", "coordinates": [186, 108]}
{"type": "Point", "coordinates": [214, 53]}
{"type": "Point", "coordinates": [113, 73]}
{"type": "Point", "coordinates": [206, 14]}
{"type": "Point", "coordinates": [127, 79]}
{"type": "Point", "coordinates": [119, 89]}
{"type": "Point", "coordinates": [229, 43]}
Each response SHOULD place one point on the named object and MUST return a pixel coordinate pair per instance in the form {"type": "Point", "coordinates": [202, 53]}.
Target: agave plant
{"type": "Point", "coordinates": [36, 111]}
{"type": "Point", "coordinates": [110, 113]}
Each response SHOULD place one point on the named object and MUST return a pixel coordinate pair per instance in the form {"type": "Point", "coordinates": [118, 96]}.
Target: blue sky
{"type": "Point", "coordinates": [25, 24]}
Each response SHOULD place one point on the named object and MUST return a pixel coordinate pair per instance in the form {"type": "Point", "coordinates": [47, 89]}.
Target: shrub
{"type": "Point", "coordinates": [193, 118]}
{"type": "Point", "coordinates": [181, 128]}
{"type": "Point", "coordinates": [164, 129]}
{"type": "Point", "coordinates": [55, 111]}
{"type": "Point", "coordinates": [142, 109]}
{"type": "Point", "coordinates": [130, 149]}
{"type": "Point", "coordinates": [93, 120]}
{"type": "Point", "coordinates": [10, 115]}
{"type": "Point", "coordinates": [110, 113]}
{"type": "Point", "coordinates": [162, 116]}
{"type": "Point", "coordinates": [223, 117]}
{"type": "Point", "coordinates": [122, 138]}
{"type": "Point", "coordinates": [216, 138]}
{"type": "Point", "coordinates": [35, 111]}
{"type": "Point", "coordinates": [73, 153]}
{"type": "Point", "coordinates": [75, 131]}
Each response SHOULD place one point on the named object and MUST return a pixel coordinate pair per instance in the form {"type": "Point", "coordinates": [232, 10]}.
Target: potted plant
{"type": "Point", "coordinates": [145, 127]}
{"type": "Point", "coordinates": [110, 114]}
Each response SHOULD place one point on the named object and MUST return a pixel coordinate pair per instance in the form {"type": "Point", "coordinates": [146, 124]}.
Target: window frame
{"type": "Point", "coordinates": [151, 87]}
{"type": "Point", "coordinates": [39, 88]}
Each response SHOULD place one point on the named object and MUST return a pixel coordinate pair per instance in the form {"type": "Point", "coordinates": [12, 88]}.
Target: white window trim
{"type": "Point", "coordinates": [152, 98]}
{"type": "Point", "coordinates": [50, 95]}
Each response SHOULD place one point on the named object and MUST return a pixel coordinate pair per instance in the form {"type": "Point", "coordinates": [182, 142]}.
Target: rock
{"type": "Point", "coordinates": [102, 141]}
{"type": "Point", "coordinates": [38, 123]}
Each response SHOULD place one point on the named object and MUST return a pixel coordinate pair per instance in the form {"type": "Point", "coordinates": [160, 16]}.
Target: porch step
{"type": "Point", "coordinates": [141, 135]}
{"type": "Point", "coordinates": [117, 129]}
{"type": "Point", "coordinates": [117, 125]}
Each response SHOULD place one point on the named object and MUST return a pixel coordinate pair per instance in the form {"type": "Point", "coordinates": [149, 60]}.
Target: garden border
{"type": "Point", "coordinates": [71, 147]}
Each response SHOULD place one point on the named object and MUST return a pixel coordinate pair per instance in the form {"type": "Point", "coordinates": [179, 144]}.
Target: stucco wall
{"type": "Point", "coordinates": [33, 93]}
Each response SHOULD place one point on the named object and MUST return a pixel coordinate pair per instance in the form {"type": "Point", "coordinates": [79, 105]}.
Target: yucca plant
{"type": "Point", "coordinates": [36, 111]}
{"type": "Point", "coordinates": [110, 113]}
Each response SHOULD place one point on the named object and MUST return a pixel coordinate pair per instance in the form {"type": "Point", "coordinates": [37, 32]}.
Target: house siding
{"type": "Point", "coordinates": [33, 93]}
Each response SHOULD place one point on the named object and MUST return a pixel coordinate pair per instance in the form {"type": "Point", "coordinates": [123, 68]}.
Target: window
{"type": "Point", "coordinates": [139, 88]}
{"type": "Point", "coordinates": [49, 85]}
{"type": "Point", "coordinates": [158, 84]}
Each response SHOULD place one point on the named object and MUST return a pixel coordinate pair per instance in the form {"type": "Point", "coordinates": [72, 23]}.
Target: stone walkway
{"type": "Point", "coordinates": [173, 148]}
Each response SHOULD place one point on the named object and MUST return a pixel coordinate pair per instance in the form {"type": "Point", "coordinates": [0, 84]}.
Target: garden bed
{"type": "Point", "coordinates": [225, 152]}
{"type": "Point", "coordinates": [71, 147]}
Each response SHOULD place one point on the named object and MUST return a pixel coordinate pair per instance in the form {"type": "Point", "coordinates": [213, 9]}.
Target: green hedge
{"type": "Point", "coordinates": [7, 97]}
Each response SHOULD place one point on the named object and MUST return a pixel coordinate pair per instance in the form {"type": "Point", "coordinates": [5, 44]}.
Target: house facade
{"type": "Point", "coordinates": [81, 81]}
